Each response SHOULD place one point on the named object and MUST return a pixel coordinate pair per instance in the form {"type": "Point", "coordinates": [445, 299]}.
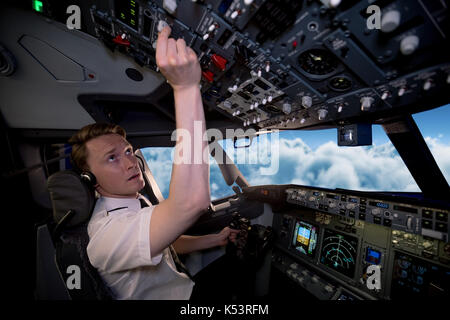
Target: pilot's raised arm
{"type": "Point", "coordinates": [189, 193]}
{"type": "Point", "coordinates": [130, 241]}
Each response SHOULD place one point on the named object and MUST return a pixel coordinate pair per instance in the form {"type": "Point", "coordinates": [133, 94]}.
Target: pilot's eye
{"type": "Point", "coordinates": [129, 151]}
{"type": "Point", "coordinates": [111, 158]}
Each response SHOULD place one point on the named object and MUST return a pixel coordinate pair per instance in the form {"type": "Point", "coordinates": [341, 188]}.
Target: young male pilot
{"type": "Point", "coordinates": [130, 244]}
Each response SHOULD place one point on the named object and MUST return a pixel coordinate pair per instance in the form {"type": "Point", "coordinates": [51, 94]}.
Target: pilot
{"type": "Point", "coordinates": [132, 243]}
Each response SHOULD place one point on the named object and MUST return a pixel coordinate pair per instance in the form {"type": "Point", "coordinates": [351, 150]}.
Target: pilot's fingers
{"type": "Point", "coordinates": [161, 45]}
{"type": "Point", "coordinates": [181, 49]}
{"type": "Point", "coordinates": [192, 56]}
{"type": "Point", "coordinates": [172, 55]}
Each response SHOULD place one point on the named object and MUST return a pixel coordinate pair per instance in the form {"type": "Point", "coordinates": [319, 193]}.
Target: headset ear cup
{"type": "Point", "coordinates": [89, 178]}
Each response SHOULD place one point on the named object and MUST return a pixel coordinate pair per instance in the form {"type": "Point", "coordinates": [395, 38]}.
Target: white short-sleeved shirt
{"type": "Point", "coordinates": [119, 248]}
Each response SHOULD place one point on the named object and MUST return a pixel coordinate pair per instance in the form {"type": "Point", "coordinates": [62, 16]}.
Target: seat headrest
{"type": "Point", "coordinates": [69, 192]}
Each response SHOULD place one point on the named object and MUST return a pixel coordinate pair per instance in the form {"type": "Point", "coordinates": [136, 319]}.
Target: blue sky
{"type": "Point", "coordinates": [313, 158]}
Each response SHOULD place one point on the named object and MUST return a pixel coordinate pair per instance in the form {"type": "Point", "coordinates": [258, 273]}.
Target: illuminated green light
{"type": "Point", "coordinates": [122, 15]}
{"type": "Point", "coordinates": [133, 22]}
{"type": "Point", "coordinates": [37, 5]}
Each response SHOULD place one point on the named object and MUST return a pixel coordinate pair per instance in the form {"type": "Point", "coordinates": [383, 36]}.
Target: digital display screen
{"type": "Point", "coordinates": [354, 200]}
{"type": "Point", "coordinates": [339, 252]}
{"type": "Point", "coordinates": [413, 277]}
{"type": "Point", "coordinates": [127, 11]}
{"type": "Point", "coordinates": [305, 238]}
{"type": "Point", "coordinates": [333, 196]}
{"type": "Point", "coordinates": [373, 256]}
{"type": "Point", "coordinates": [316, 193]}
{"type": "Point", "coordinates": [405, 209]}
{"type": "Point", "coordinates": [379, 204]}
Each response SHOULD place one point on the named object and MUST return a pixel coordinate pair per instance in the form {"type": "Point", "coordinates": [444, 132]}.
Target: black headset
{"type": "Point", "coordinates": [91, 180]}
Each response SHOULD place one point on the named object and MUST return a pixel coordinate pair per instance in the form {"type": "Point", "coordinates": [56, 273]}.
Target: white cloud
{"type": "Point", "coordinates": [359, 168]}
{"type": "Point", "coordinates": [441, 154]}
{"type": "Point", "coordinates": [376, 167]}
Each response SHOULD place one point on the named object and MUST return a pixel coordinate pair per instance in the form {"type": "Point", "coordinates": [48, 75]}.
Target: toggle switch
{"type": "Point", "coordinates": [219, 61]}
{"type": "Point", "coordinates": [385, 95]}
{"type": "Point", "coordinates": [427, 85]}
{"type": "Point", "coordinates": [208, 75]}
{"type": "Point", "coordinates": [235, 14]}
{"type": "Point", "coordinates": [366, 103]}
{"type": "Point", "coordinates": [122, 40]}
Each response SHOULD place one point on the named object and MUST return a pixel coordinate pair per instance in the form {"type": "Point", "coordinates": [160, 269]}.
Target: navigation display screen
{"type": "Point", "coordinates": [305, 238]}
{"type": "Point", "coordinates": [339, 252]}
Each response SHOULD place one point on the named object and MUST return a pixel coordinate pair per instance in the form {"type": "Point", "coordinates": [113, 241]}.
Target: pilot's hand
{"type": "Point", "coordinates": [177, 62]}
{"type": "Point", "coordinates": [227, 234]}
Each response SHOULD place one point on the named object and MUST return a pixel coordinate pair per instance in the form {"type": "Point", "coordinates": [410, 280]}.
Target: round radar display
{"type": "Point", "coordinates": [339, 252]}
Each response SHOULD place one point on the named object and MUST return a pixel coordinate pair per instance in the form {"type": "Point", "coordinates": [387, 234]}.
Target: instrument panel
{"type": "Point", "coordinates": [336, 245]}
{"type": "Point", "coordinates": [295, 64]}
{"type": "Point", "coordinates": [416, 219]}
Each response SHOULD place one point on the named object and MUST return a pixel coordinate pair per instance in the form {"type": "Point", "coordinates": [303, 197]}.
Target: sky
{"type": "Point", "coordinates": [313, 158]}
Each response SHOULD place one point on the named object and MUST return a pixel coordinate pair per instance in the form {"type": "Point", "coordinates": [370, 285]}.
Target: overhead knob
{"type": "Point", "coordinates": [427, 85]}
{"type": "Point", "coordinates": [385, 95]}
{"type": "Point", "coordinates": [161, 25]}
{"type": "Point", "coordinates": [409, 44]}
{"type": "Point", "coordinates": [287, 107]}
{"type": "Point", "coordinates": [401, 91]}
{"type": "Point", "coordinates": [390, 21]}
{"type": "Point", "coordinates": [322, 113]}
{"type": "Point", "coordinates": [213, 26]}
{"type": "Point", "coordinates": [227, 104]}
{"type": "Point", "coordinates": [366, 103]}
{"type": "Point", "coordinates": [306, 101]}
{"type": "Point", "coordinates": [170, 6]}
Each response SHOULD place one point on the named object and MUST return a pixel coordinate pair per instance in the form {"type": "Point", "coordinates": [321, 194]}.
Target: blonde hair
{"type": "Point", "coordinates": [78, 141]}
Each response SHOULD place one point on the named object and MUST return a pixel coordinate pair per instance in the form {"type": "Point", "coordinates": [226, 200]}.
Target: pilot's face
{"type": "Point", "coordinates": [111, 159]}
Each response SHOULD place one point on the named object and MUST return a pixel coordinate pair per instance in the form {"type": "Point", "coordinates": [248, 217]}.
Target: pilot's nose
{"type": "Point", "coordinates": [130, 162]}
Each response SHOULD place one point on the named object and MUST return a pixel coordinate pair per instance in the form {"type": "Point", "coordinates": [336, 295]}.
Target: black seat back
{"type": "Point", "coordinates": [73, 202]}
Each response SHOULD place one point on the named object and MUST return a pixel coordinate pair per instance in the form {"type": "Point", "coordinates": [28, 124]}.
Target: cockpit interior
{"type": "Point", "coordinates": [269, 68]}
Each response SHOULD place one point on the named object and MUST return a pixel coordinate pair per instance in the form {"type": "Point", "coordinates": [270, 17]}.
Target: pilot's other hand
{"type": "Point", "coordinates": [227, 234]}
{"type": "Point", "coordinates": [177, 62]}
